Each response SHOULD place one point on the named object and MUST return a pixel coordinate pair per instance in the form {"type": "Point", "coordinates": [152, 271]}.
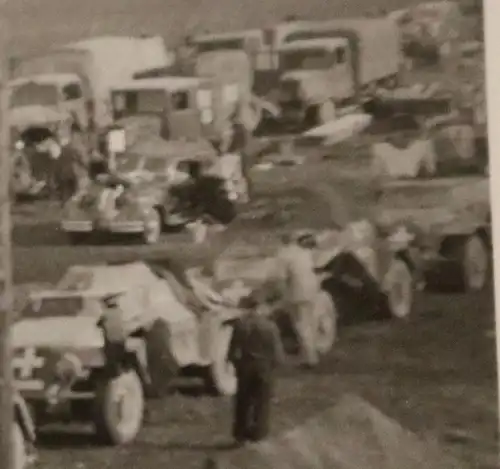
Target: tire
{"type": "Point", "coordinates": [326, 315]}
{"type": "Point", "coordinates": [475, 264]}
{"type": "Point", "coordinates": [222, 375]}
{"type": "Point", "coordinates": [399, 287]}
{"type": "Point", "coordinates": [125, 389]}
{"type": "Point", "coordinates": [19, 453]}
{"type": "Point", "coordinates": [152, 228]}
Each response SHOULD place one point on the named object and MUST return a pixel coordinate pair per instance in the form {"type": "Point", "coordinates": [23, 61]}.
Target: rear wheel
{"type": "Point", "coordinates": [398, 286]}
{"type": "Point", "coordinates": [326, 332]}
{"type": "Point", "coordinates": [475, 264]}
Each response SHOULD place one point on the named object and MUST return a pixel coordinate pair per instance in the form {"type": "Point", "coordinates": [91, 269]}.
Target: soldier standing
{"type": "Point", "coordinates": [300, 288]}
{"type": "Point", "coordinates": [255, 350]}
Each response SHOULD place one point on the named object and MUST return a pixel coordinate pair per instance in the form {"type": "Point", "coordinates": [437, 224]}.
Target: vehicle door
{"type": "Point", "coordinates": [184, 115]}
{"type": "Point", "coordinates": [72, 102]}
{"type": "Point", "coordinates": [340, 74]}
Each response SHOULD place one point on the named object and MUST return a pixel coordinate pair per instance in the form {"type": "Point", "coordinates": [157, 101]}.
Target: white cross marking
{"type": "Point", "coordinates": [28, 363]}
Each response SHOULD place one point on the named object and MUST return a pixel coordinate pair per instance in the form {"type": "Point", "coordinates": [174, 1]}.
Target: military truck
{"type": "Point", "coordinates": [260, 45]}
{"type": "Point", "coordinates": [68, 77]}
{"type": "Point", "coordinates": [188, 108]}
{"type": "Point", "coordinates": [335, 64]}
{"type": "Point", "coordinates": [229, 70]}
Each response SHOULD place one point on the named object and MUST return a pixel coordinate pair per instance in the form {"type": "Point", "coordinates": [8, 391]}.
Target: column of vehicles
{"type": "Point", "coordinates": [107, 337]}
{"type": "Point", "coordinates": [293, 75]}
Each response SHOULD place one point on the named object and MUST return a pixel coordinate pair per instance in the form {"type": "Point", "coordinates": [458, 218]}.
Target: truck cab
{"type": "Point", "coordinates": [187, 108]}
{"type": "Point", "coordinates": [316, 74]}
{"type": "Point", "coordinates": [62, 93]}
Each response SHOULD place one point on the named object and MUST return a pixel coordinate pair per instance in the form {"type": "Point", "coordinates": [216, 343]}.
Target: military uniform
{"type": "Point", "coordinates": [255, 351]}
{"type": "Point", "coordinates": [300, 286]}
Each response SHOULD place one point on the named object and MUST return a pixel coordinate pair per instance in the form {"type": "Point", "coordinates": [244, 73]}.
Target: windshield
{"type": "Point", "coordinates": [306, 59]}
{"type": "Point", "coordinates": [62, 307]}
{"type": "Point", "coordinates": [31, 94]}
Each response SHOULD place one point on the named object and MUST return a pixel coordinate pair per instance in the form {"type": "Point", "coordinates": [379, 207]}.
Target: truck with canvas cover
{"type": "Point", "coordinates": [96, 345]}
{"type": "Point", "coordinates": [77, 73]}
{"type": "Point", "coordinates": [189, 108]}
{"type": "Point", "coordinates": [260, 45]}
{"type": "Point", "coordinates": [335, 63]}
{"type": "Point", "coordinates": [230, 68]}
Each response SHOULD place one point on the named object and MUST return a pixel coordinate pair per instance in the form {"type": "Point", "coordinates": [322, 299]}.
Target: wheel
{"type": "Point", "coordinates": [475, 264]}
{"type": "Point", "coordinates": [326, 314]}
{"type": "Point", "coordinates": [152, 227]}
{"type": "Point", "coordinates": [119, 408]}
{"type": "Point", "coordinates": [222, 375]}
{"type": "Point", "coordinates": [20, 456]}
{"type": "Point", "coordinates": [398, 286]}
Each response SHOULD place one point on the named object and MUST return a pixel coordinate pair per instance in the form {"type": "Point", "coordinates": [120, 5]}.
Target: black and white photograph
{"type": "Point", "coordinates": [246, 234]}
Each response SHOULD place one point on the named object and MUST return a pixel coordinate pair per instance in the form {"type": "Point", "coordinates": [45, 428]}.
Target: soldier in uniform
{"type": "Point", "coordinates": [255, 350]}
{"type": "Point", "coordinates": [300, 287]}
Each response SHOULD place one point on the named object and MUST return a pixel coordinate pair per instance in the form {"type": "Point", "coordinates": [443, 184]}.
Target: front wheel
{"type": "Point", "coordinates": [152, 227]}
{"type": "Point", "coordinates": [119, 408]}
{"type": "Point", "coordinates": [326, 332]}
{"type": "Point", "coordinates": [398, 286]}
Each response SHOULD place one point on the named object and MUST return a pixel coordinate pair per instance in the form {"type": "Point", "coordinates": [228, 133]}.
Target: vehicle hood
{"type": "Point", "coordinates": [57, 332]}
{"type": "Point", "coordinates": [310, 83]}
{"type": "Point", "coordinates": [25, 116]}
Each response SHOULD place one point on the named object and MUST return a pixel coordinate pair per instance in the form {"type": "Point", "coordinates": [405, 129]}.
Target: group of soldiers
{"type": "Point", "coordinates": [256, 349]}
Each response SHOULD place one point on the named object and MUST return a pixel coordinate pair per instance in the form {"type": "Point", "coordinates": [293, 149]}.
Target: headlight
{"type": "Point", "coordinates": [68, 368]}
{"type": "Point", "coordinates": [19, 145]}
